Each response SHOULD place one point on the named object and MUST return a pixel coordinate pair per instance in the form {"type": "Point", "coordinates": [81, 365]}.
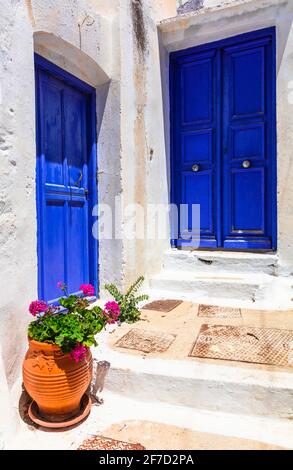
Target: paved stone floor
{"type": "Point", "coordinates": [158, 436]}
{"type": "Point", "coordinates": [184, 322]}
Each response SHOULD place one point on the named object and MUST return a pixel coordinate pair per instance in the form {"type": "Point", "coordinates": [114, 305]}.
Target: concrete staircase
{"type": "Point", "coordinates": [223, 278]}
{"type": "Point", "coordinates": [206, 386]}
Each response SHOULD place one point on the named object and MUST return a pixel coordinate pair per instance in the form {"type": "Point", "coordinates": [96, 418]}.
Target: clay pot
{"type": "Point", "coordinates": [55, 381]}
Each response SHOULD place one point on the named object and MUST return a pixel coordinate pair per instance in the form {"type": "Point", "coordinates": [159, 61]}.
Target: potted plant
{"type": "Point", "coordinates": [57, 368]}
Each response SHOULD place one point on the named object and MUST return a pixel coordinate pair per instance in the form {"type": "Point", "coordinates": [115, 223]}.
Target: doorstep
{"type": "Point", "coordinates": [247, 280]}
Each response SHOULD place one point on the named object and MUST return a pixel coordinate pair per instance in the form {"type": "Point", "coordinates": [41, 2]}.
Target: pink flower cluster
{"type": "Point", "coordinates": [111, 312]}
{"type": "Point", "coordinates": [37, 306]}
{"type": "Point", "coordinates": [87, 289]}
{"type": "Point", "coordinates": [78, 353]}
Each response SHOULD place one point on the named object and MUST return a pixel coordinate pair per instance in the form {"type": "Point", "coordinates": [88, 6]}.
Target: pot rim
{"type": "Point", "coordinates": [43, 345]}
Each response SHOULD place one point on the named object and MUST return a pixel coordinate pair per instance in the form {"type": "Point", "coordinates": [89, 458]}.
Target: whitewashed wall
{"type": "Point", "coordinates": [119, 53]}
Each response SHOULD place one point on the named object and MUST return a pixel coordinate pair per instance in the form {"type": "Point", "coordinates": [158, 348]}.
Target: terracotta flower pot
{"type": "Point", "coordinates": [55, 381]}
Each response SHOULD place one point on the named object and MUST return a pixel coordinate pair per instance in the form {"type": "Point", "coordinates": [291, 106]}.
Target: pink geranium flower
{"type": "Point", "coordinates": [111, 312]}
{"type": "Point", "coordinates": [37, 306]}
{"type": "Point", "coordinates": [87, 289]}
{"type": "Point", "coordinates": [79, 352]}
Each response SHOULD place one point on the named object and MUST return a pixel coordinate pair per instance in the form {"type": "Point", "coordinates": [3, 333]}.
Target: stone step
{"type": "Point", "coordinates": [143, 414]}
{"type": "Point", "coordinates": [258, 291]}
{"type": "Point", "coordinates": [203, 287]}
{"type": "Point", "coordinates": [201, 385]}
{"type": "Point", "coordinates": [213, 261]}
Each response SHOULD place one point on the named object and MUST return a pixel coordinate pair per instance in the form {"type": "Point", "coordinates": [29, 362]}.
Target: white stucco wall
{"type": "Point", "coordinates": [144, 165]}
{"type": "Point", "coordinates": [116, 47]}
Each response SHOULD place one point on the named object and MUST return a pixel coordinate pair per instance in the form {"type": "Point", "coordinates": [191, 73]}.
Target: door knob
{"type": "Point", "coordinates": [246, 164]}
{"type": "Point", "coordinates": [195, 167]}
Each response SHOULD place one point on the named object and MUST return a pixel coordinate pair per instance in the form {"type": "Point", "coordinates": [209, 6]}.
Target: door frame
{"type": "Point", "coordinates": [173, 56]}
{"type": "Point", "coordinates": [43, 64]}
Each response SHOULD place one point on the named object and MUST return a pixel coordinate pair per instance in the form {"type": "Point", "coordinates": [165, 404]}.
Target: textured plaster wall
{"type": "Point", "coordinates": [223, 19]}
{"type": "Point", "coordinates": [51, 29]}
{"type": "Point", "coordinates": [17, 201]}
{"type": "Point", "coordinates": [144, 165]}
{"type": "Point", "coordinates": [17, 182]}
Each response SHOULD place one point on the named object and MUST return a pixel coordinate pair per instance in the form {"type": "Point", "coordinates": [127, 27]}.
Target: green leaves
{"type": "Point", "coordinates": [71, 302]}
{"type": "Point", "coordinates": [113, 290]}
{"type": "Point", "coordinates": [128, 303]}
{"type": "Point", "coordinates": [77, 325]}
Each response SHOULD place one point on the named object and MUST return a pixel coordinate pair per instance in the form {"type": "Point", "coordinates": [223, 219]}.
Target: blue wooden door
{"type": "Point", "coordinates": [64, 185]}
{"type": "Point", "coordinates": [223, 140]}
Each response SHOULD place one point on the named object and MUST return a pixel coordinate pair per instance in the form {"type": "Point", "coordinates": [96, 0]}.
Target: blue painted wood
{"type": "Point", "coordinates": [247, 135]}
{"type": "Point", "coordinates": [66, 181]}
{"type": "Point", "coordinates": [195, 136]}
{"type": "Point", "coordinates": [222, 113]}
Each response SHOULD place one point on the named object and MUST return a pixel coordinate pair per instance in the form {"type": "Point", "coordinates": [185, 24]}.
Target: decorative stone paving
{"type": "Point", "coordinates": [146, 340]}
{"type": "Point", "coordinates": [106, 443]}
{"type": "Point", "coordinates": [162, 305]}
{"type": "Point", "coordinates": [214, 311]}
{"type": "Point", "coordinates": [245, 344]}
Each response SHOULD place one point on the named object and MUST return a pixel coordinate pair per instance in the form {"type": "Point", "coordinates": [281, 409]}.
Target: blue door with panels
{"type": "Point", "coordinates": [66, 153]}
{"type": "Point", "coordinates": [223, 140]}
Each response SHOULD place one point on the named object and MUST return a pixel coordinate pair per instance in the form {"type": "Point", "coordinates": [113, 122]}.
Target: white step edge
{"type": "Point", "coordinates": [258, 291]}
{"type": "Point", "coordinates": [206, 261]}
{"type": "Point", "coordinates": [198, 385]}
{"type": "Point", "coordinates": [258, 428]}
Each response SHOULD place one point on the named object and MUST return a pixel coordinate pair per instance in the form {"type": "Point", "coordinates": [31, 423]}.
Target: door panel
{"type": "Point", "coordinates": [247, 188]}
{"type": "Point", "coordinates": [223, 121]}
{"type": "Point", "coordinates": [54, 253]}
{"type": "Point", "coordinates": [247, 73]}
{"type": "Point", "coordinates": [52, 130]}
{"type": "Point", "coordinates": [195, 135]}
{"type": "Point", "coordinates": [77, 238]}
{"type": "Point", "coordinates": [196, 190]}
{"type": "Point", "coordinates": [63, 155]}
{"type": "Point", "coordinates": [248, 142]}
{"type": "Point", "coordinates": [247, 215]}
{"type": "Point", "coordinates": [197, 102]}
